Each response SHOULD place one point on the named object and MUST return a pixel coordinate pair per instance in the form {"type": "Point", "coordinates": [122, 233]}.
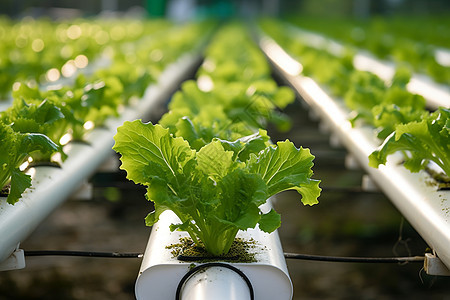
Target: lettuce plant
{"type": "Point", "coordinates": [228, 106]}
{"type": "Point", "coordinates": [216, 190]}
{"type": "Point", "coordinates": [387, 117]}
{"type": "Point", "coordinates": [15, 148]}
{"type": "Point", "coordinates": [34, 115]}
{"type": "Point", "coordinates": [88, 100]}
{"type": "Point", "coordinates": [421, 142]}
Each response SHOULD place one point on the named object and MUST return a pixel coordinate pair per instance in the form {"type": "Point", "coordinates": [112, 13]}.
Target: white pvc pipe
{"type": "Point", "coordinates": [443, 56]}
{"type": "Point", "coordinates": [161, 272]}
{"type": "Point", "coordinates": [51, 186]}
{"type": "Point", "coordinates": [426, 208]}
{"type": "Point", "coordinates": [434, 93]}
{"type": "Point", "coordinates": [216, 283]}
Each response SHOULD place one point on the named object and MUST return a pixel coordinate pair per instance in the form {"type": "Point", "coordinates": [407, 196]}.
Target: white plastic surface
{"type": "Point", "coordinates": [15, 261]}
{"type": "Point", "coordinates": [290, 65]}
{"type": "Point", "coordinates": [434, 266]}
{"type": "Point", "coordinates": [84, 192]}
{"type": "Point", "coordinates": [368, 184]}
{"type": "Point", "coordinates": [435, 94]}
{"type": "Point", "coordinates": [414, 194]}
{"type": "Point", "coordinates": [443, 56]}
{"type": "Point", "coordinates": [51, 186]}
{"type": "Point", "coordinates": [160, 272]}
{"type": "Point", "coordinates": [216, 283]}
{"type": "Point", "coordinates": [351, 163]}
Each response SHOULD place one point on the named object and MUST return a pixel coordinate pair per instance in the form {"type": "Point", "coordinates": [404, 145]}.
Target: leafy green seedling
{"type": "Point", "coordinates": [217, 190]}
{"type": "Point", "coordinates": [15, 148]}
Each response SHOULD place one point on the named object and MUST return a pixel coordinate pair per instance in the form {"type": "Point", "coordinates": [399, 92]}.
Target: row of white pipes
{"type": "Point", "coordinates": [51, 186]}
{"type": "Point", "coordinates": [425, 207]}
{"type": "Point", "coordinates": [161, 276]}
{"type": "Point", "coordinates": [436, 94]}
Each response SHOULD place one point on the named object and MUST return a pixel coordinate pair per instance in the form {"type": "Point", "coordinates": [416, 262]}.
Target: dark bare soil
{"type": "Point", "coordinates": [347, 222]}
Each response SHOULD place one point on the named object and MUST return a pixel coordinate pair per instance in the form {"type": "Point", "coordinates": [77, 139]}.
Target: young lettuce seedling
{"type": "Point", "coordinates": [421, 142]}
{"type": "Point", "coordinates": [217, 190]}
{"type": "Point", "coordinates": [15, 148]}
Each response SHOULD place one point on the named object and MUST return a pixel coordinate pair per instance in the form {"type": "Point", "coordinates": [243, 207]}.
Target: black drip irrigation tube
{"type": "Point", "coordinates": [213, 264]}
{"type": "Point", "coordinates": [82, 253]}
{"type": "Point", "coordinates": [400, 260]}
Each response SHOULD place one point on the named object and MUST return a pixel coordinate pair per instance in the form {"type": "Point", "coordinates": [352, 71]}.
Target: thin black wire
{"type": "Point", "coordinates": [415, 259]}
{"type": "Point", "coordinates": [82, 253]}
{"type": "Point", "coordinates": [412, 259]}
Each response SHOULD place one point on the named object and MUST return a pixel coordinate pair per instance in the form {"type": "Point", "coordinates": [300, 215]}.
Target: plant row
{"type": "Point", "coordinates": [210, 160]}
{"type": "Point", "coordinates": [40, 50]}
{"type": "Point", "coordinates": [398, 117]}
{"type": "Point", "coordinates": [40, 122]}
{"type": "Point", "coordinates": [404, 40]}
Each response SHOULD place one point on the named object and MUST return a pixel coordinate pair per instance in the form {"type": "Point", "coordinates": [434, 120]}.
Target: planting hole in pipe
{"type": "Point", "coordinates": [242, 250]}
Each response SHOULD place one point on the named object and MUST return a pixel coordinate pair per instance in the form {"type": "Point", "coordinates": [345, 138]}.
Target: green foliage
{"type": "Point", "coordinates": [387, 117]}
{"type": "Point", "coordinates": [30, 114]}
{"type": "Point", "coordinates": [396, 114]}
{"type": "Point", "coordinates": [211, 190]}
{"type": "Point", "coordinates": [15, 148]}
{"type": "Point", "coordinates": [404, 39]}
{"type": "Point", "coordinates": [366, 90]}
{"type": "Point", "coordinates": [31, 47]}
{"type": "Point", "coordinates": [227, 63]}
{"type": "Point", "coordinates": [138, 51]}
{"type": "Point", "coordinates": [229, 111]}
{"type": "Point", "coordinates": [421, 142]}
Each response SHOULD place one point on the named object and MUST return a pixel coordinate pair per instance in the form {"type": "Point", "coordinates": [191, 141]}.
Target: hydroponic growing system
{"type": "Point", "coordinates": [209, 166]}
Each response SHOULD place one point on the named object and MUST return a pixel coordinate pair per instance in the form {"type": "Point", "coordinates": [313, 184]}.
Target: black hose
{"type": "Point", "coordinates": [82, 253]}
{"type": "Point", "coordinates": [415, 259]}
{"type": "Point", "coordinates": [213, 264]}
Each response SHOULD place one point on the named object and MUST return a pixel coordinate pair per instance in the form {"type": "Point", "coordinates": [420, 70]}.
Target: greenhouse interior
{"type": "Point", "coordinates": [200, 149]}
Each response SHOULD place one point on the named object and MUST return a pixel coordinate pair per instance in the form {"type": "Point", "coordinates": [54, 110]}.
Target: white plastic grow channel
{"type": "Point", "coordinates": [426, 208]}
{"type": "Point", "coordinates": [51, 186]}
{"type": "Point", "coordinates": [443, 56]}
{"type": "Point", "coordinates": [436, 94]}
{"type": "Point", "coordinates": [161, 273]}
